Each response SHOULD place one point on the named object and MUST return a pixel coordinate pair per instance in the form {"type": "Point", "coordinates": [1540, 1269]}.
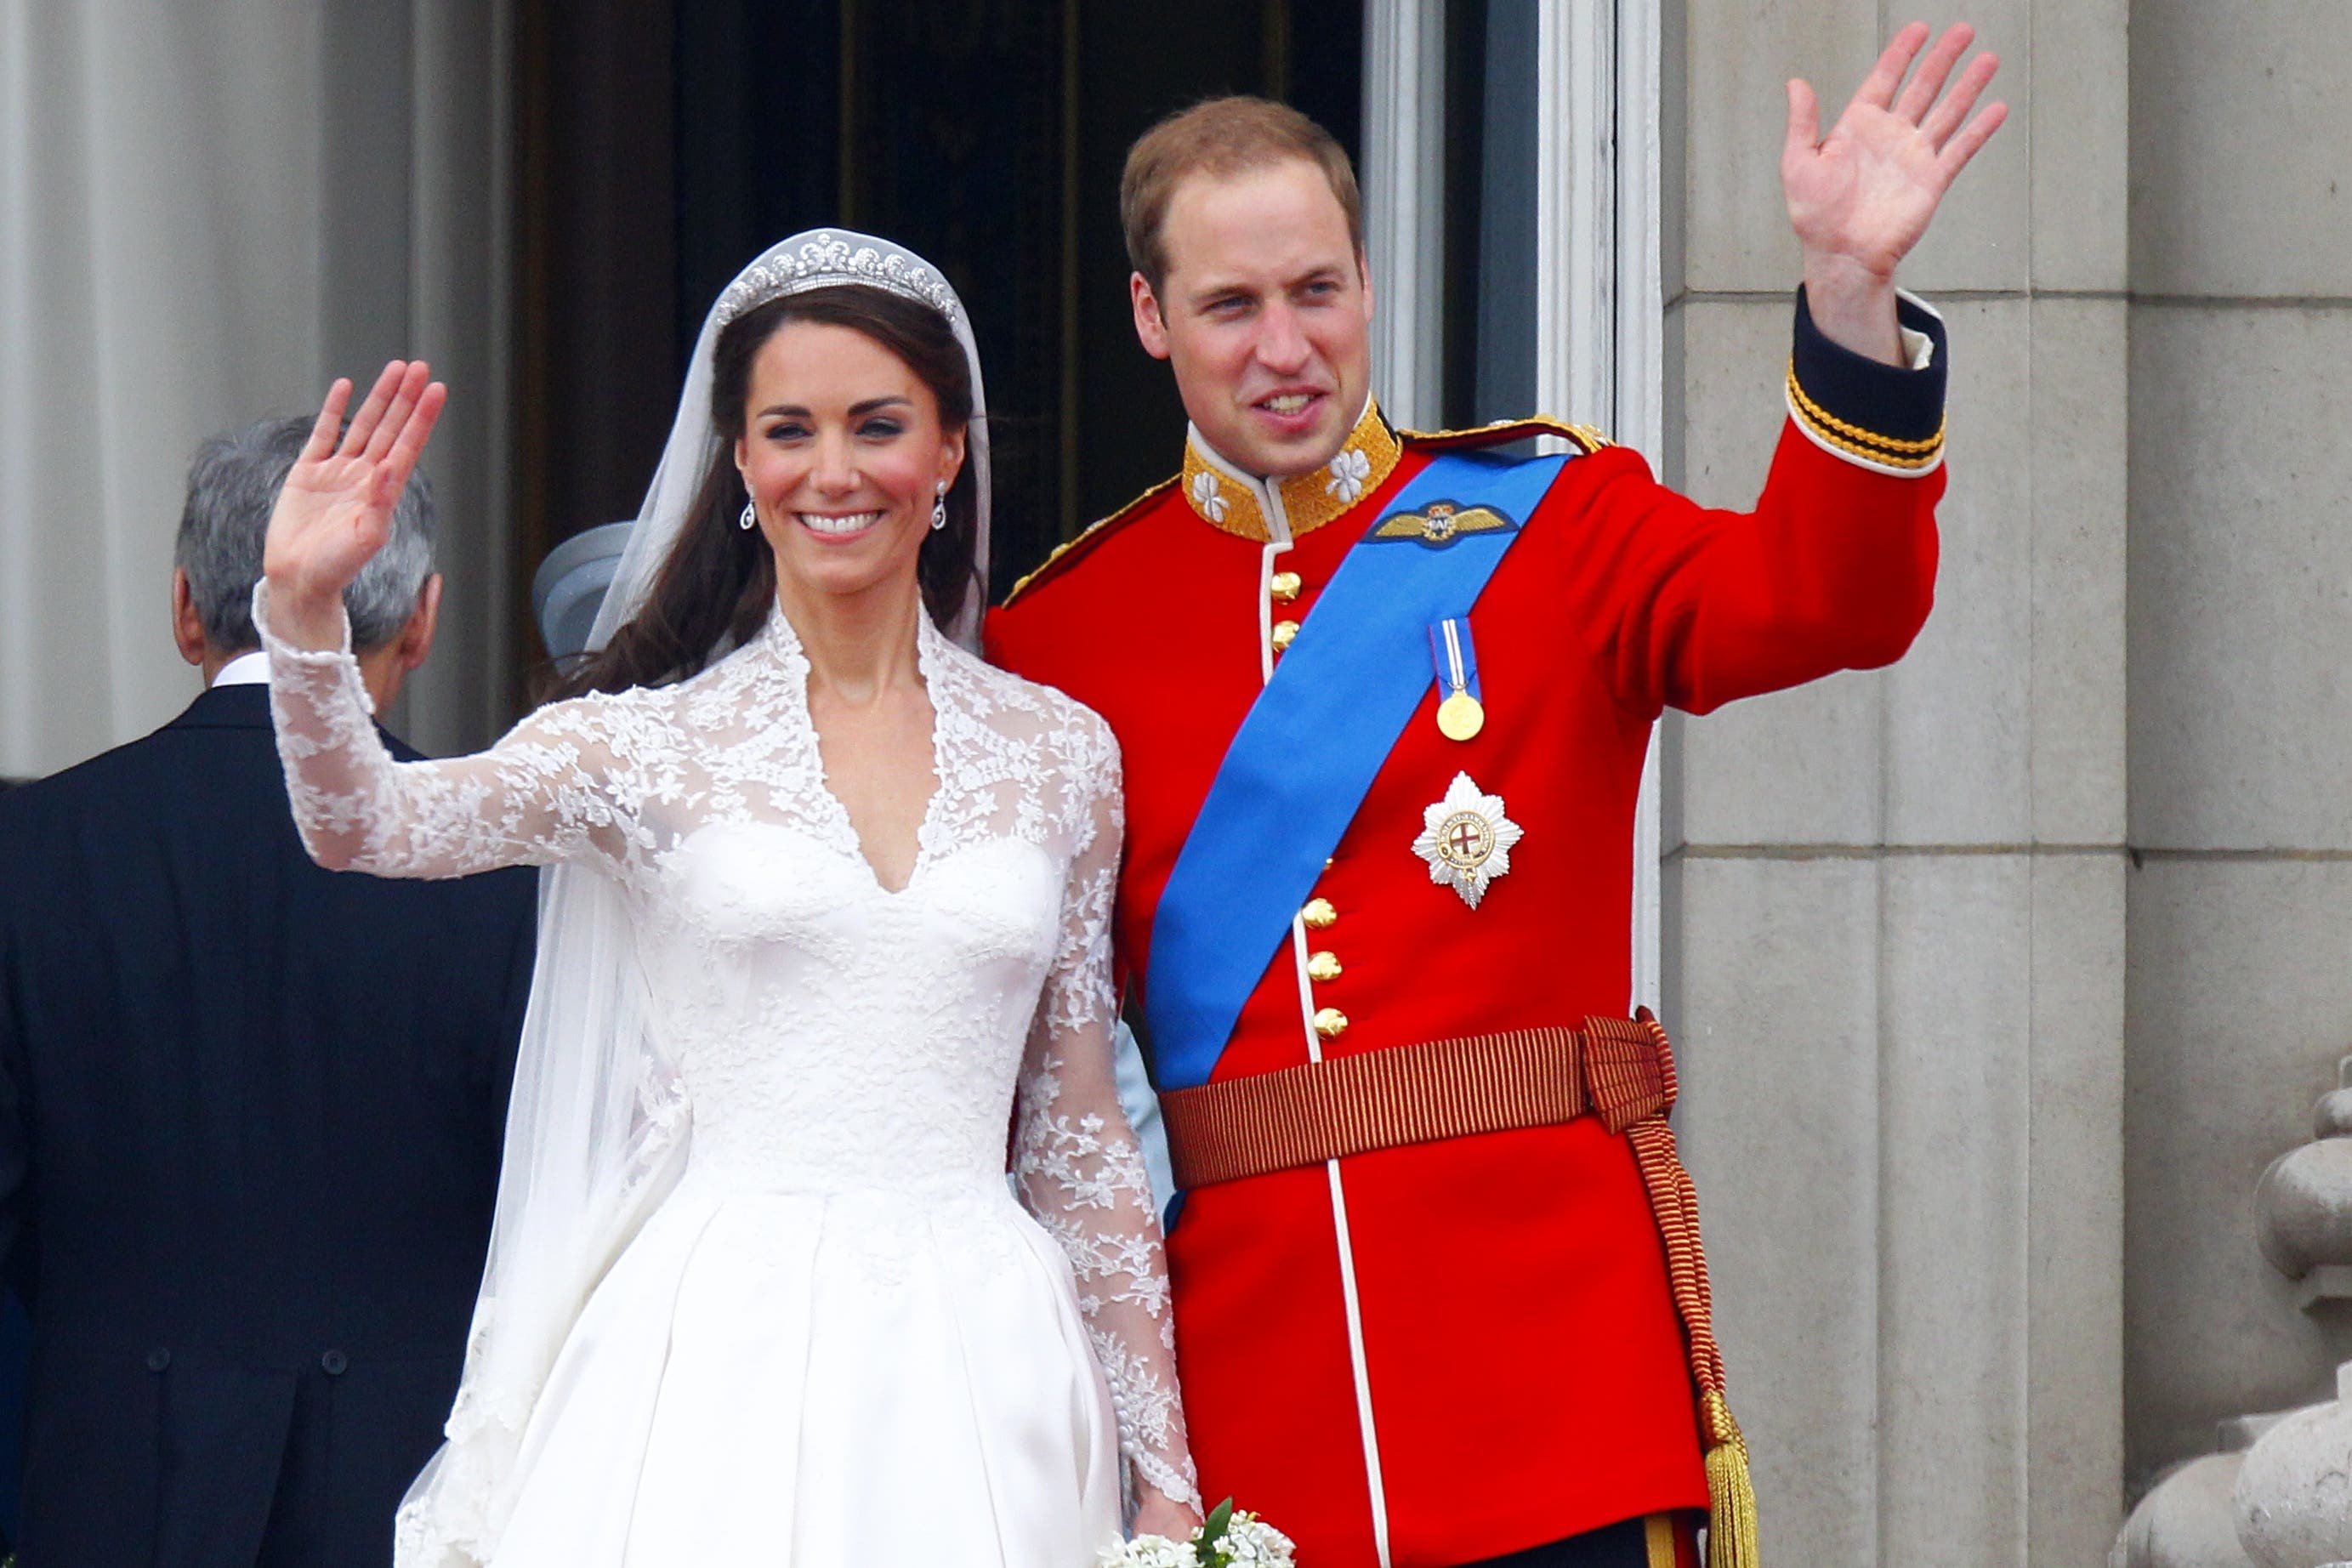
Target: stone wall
{"type": "Point", "coordinates": [1896, 902]}
{"type": "Point", "coordinates": [2239, 979]}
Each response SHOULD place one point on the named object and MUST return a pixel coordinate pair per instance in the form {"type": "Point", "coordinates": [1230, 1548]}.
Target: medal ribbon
{"type": "Point", "coordinates": [1456, 658]}
{"type": "Point", "coordinates": [1460, 662]}
{"type": "Point", "coordinates": [1306, 753]}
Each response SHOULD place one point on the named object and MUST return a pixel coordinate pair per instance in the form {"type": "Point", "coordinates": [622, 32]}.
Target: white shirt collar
{"type": "Point", "coordinates": [245, 669]}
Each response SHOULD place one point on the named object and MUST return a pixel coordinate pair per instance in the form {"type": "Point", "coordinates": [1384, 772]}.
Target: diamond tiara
{"type": "Point", "coordinates": [825, 260]}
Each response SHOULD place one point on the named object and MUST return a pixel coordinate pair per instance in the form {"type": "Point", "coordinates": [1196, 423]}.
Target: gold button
{"type": "Point", "coordinates": [1284, 587]}
{"type": "Point", "coordinates": [1284, 632]}
{"type": "Point", "coordinates": [1323, 968]}
{"type": "Point", "coordinates": [1318, 914]}
{"type": "Point", "coordinates": [1331, 1023]}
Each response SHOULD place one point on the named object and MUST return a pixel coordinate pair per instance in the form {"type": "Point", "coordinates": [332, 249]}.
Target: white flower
{"type": "Point", "coordinates": [1147, 1551]}
{"type": "Point", "coordinates": [1350, 470]}
{"type": "Point", "coordinates": [1207, 496]}
{"type": "Point", "coordinates": [1250, 1542]}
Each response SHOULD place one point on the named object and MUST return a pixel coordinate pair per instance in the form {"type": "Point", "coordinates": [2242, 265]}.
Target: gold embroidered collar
{"type": "Point", "coordinates": [1221, 494]}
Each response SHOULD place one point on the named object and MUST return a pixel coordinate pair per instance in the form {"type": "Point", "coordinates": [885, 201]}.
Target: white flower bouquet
{"type": "Point", "coordinates": [1226, 1539]}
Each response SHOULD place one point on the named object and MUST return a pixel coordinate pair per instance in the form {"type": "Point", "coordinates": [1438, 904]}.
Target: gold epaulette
{"type": "Point", "coordinates": [1066, 553]}
{"type": "Point", "coordinates": [1584, 438]}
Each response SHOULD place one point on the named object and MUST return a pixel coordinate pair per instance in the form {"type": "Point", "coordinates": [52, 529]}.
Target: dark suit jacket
{"type": "Point", "coordinates": [250, 1113]}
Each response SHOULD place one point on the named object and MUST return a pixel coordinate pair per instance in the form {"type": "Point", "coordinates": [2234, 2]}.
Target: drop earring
{"type": "Point", "coordinates": [750, 519]}
{"type": "Point", "coordinates": [940, 510]}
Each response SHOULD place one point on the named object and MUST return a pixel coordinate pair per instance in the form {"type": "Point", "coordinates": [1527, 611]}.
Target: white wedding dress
{"type": "Point", "coordinates": [838, 1339]}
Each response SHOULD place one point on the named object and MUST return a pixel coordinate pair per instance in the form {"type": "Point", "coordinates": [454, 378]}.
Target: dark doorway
{"type": "Point", "coordinates": [665, 145]}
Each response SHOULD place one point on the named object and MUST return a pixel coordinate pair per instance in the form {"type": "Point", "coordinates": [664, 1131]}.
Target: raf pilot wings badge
{"type": "Point", "coordinates": [1441, 522]}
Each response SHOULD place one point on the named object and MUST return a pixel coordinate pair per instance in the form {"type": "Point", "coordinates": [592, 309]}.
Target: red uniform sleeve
{"type": "Point", "coordinates": [1686, 606]}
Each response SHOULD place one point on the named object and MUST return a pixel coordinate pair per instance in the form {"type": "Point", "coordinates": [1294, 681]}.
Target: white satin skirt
{"type": "Point", "coordinates": [819, 1381]}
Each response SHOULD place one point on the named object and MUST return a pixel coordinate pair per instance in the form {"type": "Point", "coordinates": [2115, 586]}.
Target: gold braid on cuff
{"type": "Point", "coordinates": [1842, 435]}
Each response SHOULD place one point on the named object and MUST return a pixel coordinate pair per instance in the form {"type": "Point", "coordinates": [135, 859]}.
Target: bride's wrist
{"type": "Point", "coordinates": [310, 622]}
{"type": "Point", "coordinates": [1156, 1514]}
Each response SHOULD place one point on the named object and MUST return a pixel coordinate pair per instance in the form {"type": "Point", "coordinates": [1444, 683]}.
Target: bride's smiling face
{"type": "Point", "coordinates": [843, 454]}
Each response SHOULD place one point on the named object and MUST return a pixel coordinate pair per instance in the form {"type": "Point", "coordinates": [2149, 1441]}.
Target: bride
{"type": "Point", "coordinates": [826, 930]}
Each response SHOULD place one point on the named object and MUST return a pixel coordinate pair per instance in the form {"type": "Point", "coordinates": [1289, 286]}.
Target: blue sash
{"type": "Point", "coordinates": [1313, 742]}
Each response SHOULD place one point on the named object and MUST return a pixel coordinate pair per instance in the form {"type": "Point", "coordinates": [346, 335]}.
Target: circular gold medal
{"type": "Point", "coordinates": [1460, 716]}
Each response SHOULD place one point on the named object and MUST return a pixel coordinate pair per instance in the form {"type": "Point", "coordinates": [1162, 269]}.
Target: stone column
{"type": "Point", "coordinates": [1894, 901]}
{"type": "Point", "coordinates": [2240, 659]}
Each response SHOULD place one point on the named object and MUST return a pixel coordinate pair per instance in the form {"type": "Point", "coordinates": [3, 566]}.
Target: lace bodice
{"type": "Point", "coordinates": [829, 1034]}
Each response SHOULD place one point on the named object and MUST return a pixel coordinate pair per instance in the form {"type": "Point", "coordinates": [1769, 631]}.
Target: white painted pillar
{"type": "Point", "coordinates": [1599, 304]}
{"type": "Point", "coordinates": [1404, 203]}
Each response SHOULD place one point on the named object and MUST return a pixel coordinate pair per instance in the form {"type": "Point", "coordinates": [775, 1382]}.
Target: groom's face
{"type": "Point", "coordinates": [1264, 313]}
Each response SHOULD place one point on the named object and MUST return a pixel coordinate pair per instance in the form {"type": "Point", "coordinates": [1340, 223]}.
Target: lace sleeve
{"type": "Point", "coordinates": [1078, 1167]}
{"type": "Point", "coordinates": [540, 796]}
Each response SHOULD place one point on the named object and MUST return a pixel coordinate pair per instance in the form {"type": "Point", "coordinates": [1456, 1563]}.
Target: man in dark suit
{"type": "Point", "coordinates": [250, 1110]}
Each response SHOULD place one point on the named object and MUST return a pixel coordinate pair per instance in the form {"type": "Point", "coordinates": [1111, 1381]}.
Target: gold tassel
{"type": "Point", "coordinates": [1731, 1541]}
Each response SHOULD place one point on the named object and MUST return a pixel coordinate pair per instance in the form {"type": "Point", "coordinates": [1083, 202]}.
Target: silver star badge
{"type": "Point", "coordinates": [1467, 840]}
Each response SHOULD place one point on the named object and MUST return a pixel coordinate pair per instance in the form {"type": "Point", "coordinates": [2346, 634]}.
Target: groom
{"type": "Point", "coordinates": [1436, 1269]}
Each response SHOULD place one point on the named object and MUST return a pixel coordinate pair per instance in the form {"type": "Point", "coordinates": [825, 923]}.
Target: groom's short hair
{"type": "Point", "coordinates": [1222, 136]}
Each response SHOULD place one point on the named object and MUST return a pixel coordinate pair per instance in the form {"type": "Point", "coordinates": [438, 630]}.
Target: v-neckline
{"type": "Point", "coordinates": [798, 670]}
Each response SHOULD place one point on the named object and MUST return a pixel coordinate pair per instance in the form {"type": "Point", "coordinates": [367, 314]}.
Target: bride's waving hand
{"type": "Point", "coordinates": [335, 512]}
{"type": "Point", "coordinates": [539, 797]}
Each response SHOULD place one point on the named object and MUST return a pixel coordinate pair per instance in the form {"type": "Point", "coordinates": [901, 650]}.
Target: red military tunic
{"type": "Point", "coordinates": [1467, 1347]}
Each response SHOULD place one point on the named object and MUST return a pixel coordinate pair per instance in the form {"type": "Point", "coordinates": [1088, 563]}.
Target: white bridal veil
{"type": "Point", "coordinates": [598, 1126]}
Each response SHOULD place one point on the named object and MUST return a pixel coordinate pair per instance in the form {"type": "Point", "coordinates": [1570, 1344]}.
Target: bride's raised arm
{"type": "Point", "coordinates": [1080, 1171]}
{"type": "Point", "coordinates": [541, 794]}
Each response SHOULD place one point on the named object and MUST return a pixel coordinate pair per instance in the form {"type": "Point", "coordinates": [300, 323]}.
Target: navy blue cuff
{"type": "Point", "coordinates": [1881, 415]}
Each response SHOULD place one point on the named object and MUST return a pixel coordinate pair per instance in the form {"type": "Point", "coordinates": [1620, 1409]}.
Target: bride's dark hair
{"type": "Point", "coordinates": [717, 583]}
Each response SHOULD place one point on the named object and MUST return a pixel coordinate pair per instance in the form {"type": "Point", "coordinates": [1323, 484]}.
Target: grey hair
{"type": "Point", "coordinates": [233, 485]}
